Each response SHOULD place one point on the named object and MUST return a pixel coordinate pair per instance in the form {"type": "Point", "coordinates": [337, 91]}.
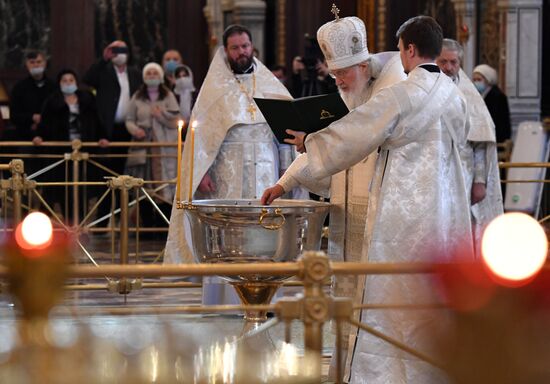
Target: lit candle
{"type": "Point", "coordinates": [192, 144]}
{"type": "Point", "coordinates": [178, 176]}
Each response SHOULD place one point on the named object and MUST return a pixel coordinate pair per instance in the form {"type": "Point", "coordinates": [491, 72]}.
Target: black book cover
{"type": "Point", "coordinates": [307, 114]}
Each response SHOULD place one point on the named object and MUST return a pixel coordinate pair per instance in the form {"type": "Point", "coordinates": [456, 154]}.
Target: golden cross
{"type": "Point", "coordinates": [252, 110]}
{"type": "Point", "coordinates": [335, 10]}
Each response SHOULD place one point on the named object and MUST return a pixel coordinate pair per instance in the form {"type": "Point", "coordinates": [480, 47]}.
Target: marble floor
{"type": "Point", "coordinates": [86, 321]}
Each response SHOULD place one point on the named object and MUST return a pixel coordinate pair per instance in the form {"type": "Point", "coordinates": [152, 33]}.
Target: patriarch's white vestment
{"type": "Point", "coordinates": [349, 192]}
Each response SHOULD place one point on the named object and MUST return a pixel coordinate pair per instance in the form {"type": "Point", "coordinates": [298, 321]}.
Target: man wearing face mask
{"type": "Point", "coordinates": [485, 80]}
{"type": "Point", "coordinates": [27, 99]}
{"type": "Point", "coordinates": [115, 82]}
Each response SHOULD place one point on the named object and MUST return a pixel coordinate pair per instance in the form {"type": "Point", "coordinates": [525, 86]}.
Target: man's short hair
{"type": "Point", "coordinates": [455, 46]}
{"type": "Point", "coordinates": [235, 29]}
{"type": "Point", "coordinates": [33, 54]}
{"type": "Point", "coordinates": [278, 67]}
{"type": "Point", "coordinates": [424, 33]}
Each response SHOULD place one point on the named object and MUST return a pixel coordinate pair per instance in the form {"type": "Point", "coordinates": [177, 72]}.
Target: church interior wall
{"type": "Point", "coordinates": [73, 34]}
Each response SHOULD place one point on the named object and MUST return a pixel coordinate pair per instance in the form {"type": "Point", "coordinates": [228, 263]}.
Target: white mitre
{"type": "Point", "coordinates": [343, 42]}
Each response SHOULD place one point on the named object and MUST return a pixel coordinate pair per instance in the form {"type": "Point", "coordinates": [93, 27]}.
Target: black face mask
{"type": "Point", "coordinates": [242, 65]}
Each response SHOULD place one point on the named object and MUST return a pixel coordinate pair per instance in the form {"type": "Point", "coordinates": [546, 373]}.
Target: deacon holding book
{"type": "Point", "coordinates": [236, 155]}
{"type": "Point", "coordinates": [418, 203]}
{"type": "Point", "coordinates": [359, 76]}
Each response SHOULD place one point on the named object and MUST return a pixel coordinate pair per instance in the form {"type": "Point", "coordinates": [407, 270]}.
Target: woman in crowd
{"type": "Point", "coordinates": [68, 114]}
{"type": "Point", "coordinates": [171, 59]}
{"type": "Point", "coordinates": [184, 89]}
{"type": "Point", "coordinates": [152, 116]}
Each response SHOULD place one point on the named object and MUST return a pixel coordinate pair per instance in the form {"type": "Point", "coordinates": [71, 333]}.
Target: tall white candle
{"type": "Point", "coordinates": [192, 144]}
{"type": "Point", "coordinates": [178, 176]}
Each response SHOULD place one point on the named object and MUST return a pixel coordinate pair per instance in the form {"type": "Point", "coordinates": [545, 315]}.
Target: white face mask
{"type": "Point", "coordinates": [69, 89]}
{"type": "Point", "coordinates": [152, 82]}
{"type": "Point", "coordinates": [183, 83]}
{"type": "Point", "coordinates": [37, 71]}
{"type": "Point", "coordinates": [120, 59]}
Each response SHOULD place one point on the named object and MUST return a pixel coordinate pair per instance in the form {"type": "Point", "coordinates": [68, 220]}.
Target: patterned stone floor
{"type": "Point", "coordinates": [83, 321]}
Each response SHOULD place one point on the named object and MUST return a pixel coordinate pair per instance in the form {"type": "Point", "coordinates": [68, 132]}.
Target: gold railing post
{"type": "Point", "coordinates": [315, 269]}
{"type": "Point", "coordinates": [76, 157]}
{"type": "Point", "coordinates": [17, 184]}
{"type": "Point", "coordinates": [17, 169]}
{"type": "Point", "coordinates": [124, 183]}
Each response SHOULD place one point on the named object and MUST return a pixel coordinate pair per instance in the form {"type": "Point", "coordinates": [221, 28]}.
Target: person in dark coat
{"type": "Point", "coordinates": [69, 114]}
{"type": "Point", "coordinates": [115, 82]}
{"type": "Point", "coordinates": [485, 80]}
{"type": "Point", "coordinates": [26, 101]}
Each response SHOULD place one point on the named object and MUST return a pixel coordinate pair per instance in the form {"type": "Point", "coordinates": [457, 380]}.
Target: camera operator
{"type": "Point", "coordinates": [310, 74]}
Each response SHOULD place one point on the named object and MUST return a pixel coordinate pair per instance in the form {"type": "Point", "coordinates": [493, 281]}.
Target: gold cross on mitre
{"type": "Point", "coordinates": [335, 10]}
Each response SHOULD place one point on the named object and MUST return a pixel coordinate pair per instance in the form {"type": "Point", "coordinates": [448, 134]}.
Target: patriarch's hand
{"type": "Point", "coordinates": [271, 194]}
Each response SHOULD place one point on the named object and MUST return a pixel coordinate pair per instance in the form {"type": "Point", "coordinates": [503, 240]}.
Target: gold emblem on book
{"type": "Point", "coordinates": [325, 114]}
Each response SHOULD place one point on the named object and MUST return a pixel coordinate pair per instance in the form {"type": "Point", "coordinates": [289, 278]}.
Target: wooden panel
{"type": "Point", "coordinates": [306, 16]}
{"type": "Point", "coordinates": [188, 33]}
{"type": "Point", "coordinates": [397, 12]}
{"type": "Point", "coordinates": [72, 35]}
{"type": "Point", "coordinates": [366, 11]}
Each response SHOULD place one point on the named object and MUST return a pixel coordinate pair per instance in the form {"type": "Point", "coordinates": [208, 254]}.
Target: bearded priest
{"type": "Point", "coordinates": [236, 155]}
{"type": "Point", "coordinates": [359, 76]}
{"type": "Point", "coordinates": [418, 205]}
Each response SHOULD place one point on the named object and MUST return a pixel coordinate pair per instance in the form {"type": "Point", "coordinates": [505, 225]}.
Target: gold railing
{"type": "Point", "coordinates": [19, 185]}
{"type": "Point", "coordinates": [314, 308]}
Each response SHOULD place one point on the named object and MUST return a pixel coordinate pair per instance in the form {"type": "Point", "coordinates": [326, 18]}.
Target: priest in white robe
{"type": "Point", "coordinates": [236, 155]}
{"type": "Point", "coordinates": [359, 76]}
{"type": "Point", "coordinates": [418, 203]}
{"type": "Point", "coordinates": [479, 154]}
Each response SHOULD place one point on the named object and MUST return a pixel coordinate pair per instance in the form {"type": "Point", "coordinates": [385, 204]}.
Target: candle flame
{"type": "Point", "coordinates": [180, 124]}
{"type": "Point", "coordinates": [194, 124]}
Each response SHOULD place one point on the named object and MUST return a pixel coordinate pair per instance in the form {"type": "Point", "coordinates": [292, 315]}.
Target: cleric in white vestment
{"type": "Point", "coordinates": [236, 153]}
{"type": "Point", "coordinates": [418, 203]}
{"type": "Point", "coordinates": [479, 153]}
{"type": "Point", "coordinates": [359, 76]}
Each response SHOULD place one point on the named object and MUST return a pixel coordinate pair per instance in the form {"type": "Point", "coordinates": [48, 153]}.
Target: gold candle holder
{"type": "Point", "coordinates": [178, 176]}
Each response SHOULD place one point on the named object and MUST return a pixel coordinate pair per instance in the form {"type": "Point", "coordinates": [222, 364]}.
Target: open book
{"type": "Point", "coordinates": [307, 114]}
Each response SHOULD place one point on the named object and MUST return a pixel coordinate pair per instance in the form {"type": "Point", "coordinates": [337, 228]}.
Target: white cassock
{"type": "Point", "coordinates": [349, 192]}
{"type": "Point", "coordinates": [481, 145]}
{"type": "Point", "coordinates": [418, 211]}
{"type": "Point", "coordinates": [237, 149]}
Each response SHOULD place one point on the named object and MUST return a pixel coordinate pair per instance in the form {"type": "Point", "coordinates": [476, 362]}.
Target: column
{"type": "Point", "coordinates": [251, 14]}
{"type": "Point", "coordinates": [214, 18]}
{"type": "Point", "coordinates": [521, 57]}
{"type": "Point", "coordinates": [466, 33]}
